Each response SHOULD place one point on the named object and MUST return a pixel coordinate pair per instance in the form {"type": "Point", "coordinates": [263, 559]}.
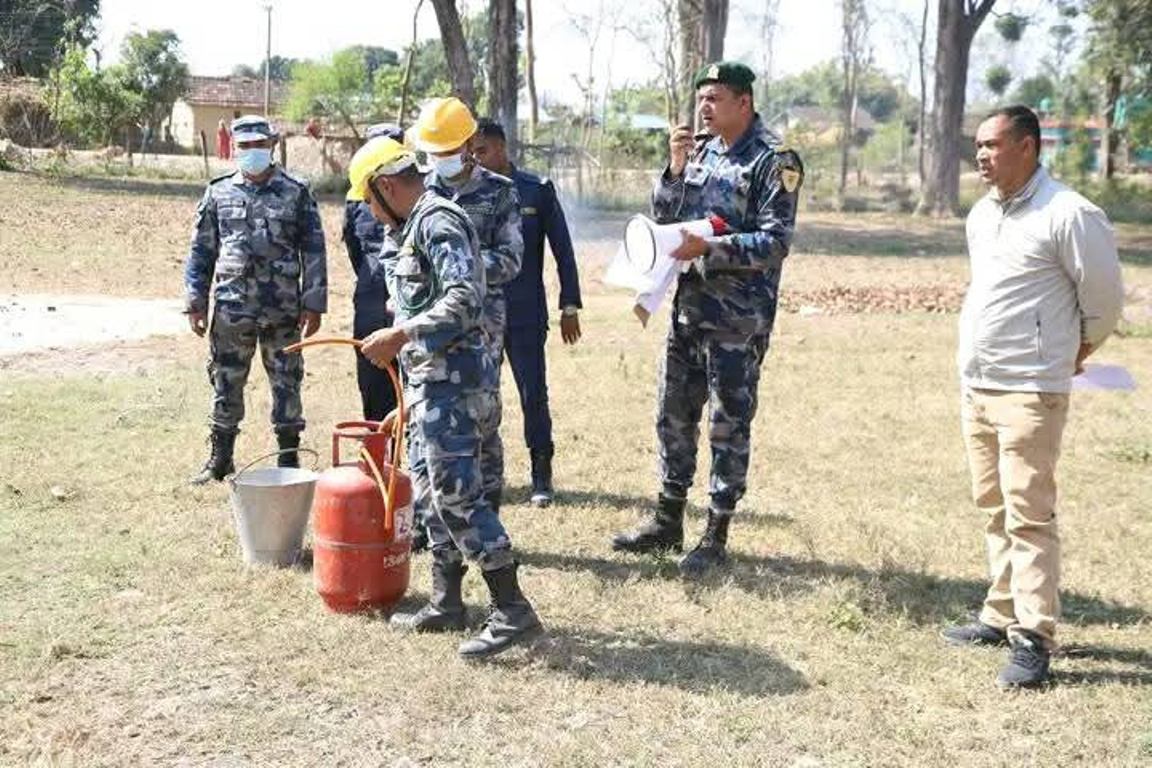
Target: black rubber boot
{"type": "Point", "coordinates": [541, 478]}
{"type": "Point", "coordinates": [219, 464]}
{"type": "Point", "coordinates": [664, 532]}
{"type": "Point", "coordinates": [444, 611]}
{"type": "Point", "coordinates": [511, 618]}
{"type": "Point", "coordinates": [712, 549]}
{"type": "Point", "coordinates": [288, 439]}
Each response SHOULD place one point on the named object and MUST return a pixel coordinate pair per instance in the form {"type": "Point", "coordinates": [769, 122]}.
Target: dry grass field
{"type": "Point", "coordinates": [132, 634]}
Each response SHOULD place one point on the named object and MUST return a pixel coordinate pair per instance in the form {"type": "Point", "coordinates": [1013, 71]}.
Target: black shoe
{"type": "Point", "coordinates": [541, 478]}
{"type": "Point", "coordinates": [219, 464]}
{"type": "Point", "coordinates": [511, 618]}
{"type": "Point", "coordinates": [711, 552]}
{"type": "Point", "coordinates": [419, 537]}
{"type": "Point", "coordinates": [976, 633]}
{"type": "Point", "coordinates": [664, 532]}
{"type": "Point", "coordinates": [1028, 663]}
{"type": "Point", "coordinates": [289, 441]}
{"type": "Point", "coordinates": [444, 611]}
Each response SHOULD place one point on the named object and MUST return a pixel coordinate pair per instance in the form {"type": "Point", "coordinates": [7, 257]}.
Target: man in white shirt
{"type": "Point", "coordinates": [1045, 293]}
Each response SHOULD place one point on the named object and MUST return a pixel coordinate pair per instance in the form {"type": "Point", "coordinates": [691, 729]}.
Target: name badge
{"type": "Point", "coordinates": [695, 174]}
{"type": "Point", "coordinates": [527, 211]}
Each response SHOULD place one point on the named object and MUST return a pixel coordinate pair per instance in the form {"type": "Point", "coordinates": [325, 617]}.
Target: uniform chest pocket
{"type": "Point", "coordinates": [415, 282]}
{"type": "Point", "coordinates": [282, 225]}
{"type": "Point", "coordinates": [233, 220]}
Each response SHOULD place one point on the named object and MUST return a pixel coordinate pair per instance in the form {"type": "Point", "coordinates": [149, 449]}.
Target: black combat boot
{"type": "Point", "coordinates": [495, 499]}
{"type": "Point", "coordinates": [710, 552]}
{"type": "Point", "coordinates": [665, 531]}
{"type": "Point", "coordinates": [511, 618]}
{"type": "Point", "coordinates": [219, 464]}
{"type": "Point", "coordinates": [541, 477]}
{"type": "Point", "coordinates": [444, 611]}
{"type": "Point", "coordinates": [289, 441]}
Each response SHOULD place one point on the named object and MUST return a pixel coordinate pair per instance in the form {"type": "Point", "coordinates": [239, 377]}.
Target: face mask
{"type": "Point", "coordinates": [254, 161]}
{"type": "Point", "coordinates": [449, 167]}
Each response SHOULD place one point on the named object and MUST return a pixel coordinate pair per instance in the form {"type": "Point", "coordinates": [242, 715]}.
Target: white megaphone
{"type": "Point", "coordinates": [642, 263]}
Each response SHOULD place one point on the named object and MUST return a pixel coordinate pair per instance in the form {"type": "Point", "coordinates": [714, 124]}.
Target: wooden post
{"type": "Point", "coordinates": [204, 154]}
{"type": "Point", "coordinates": [284, 152]}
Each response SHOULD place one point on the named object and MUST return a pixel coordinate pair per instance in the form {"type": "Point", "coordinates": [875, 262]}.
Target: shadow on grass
{"type": "Point", "coordinates": [922, 598]}
{"type": "Point", "coordinates": [142, 186]}
{"type": "Point", "coordinates": [520, 494]}
{"type": "Point", "coordinates": [697, 667]}
{"type": "Point", "coordinates": [821, 238]}
{"type": "Point", "coordinates": [1100, 664]}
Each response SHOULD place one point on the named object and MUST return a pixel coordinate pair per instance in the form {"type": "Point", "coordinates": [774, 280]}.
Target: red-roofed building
{"type": "Point", "coordinates": [207, 100]}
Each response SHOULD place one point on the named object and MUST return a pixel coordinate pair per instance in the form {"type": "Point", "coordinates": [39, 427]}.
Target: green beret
{"type": "Point", "coordinates": [731, 73]}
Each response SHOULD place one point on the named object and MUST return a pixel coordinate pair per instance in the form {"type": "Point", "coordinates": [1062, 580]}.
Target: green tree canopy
{"type": "Point", "coordinates": [34, 34]}
{"type": "Point", "coordinates": [342, 87]}
{"type": "Point", "coordinates": [152, 68]}
{"type": "Point", "coordinates": [95, 105]}
{"type": "Point", "coordinates": [822, 86]}
{"type": "Point", "coordinates": [1033, 90]}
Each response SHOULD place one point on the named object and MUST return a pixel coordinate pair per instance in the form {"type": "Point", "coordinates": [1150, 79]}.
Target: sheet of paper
{"type": "Point", "coordinates": [1104, 377]}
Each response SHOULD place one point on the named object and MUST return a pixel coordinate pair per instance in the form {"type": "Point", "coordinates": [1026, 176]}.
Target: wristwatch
{"type": "Point", "coordinates": [570, 311]}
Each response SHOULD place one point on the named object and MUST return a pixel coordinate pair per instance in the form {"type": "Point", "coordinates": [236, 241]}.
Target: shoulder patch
{"type": "Point", "coordinates": [791, 169]}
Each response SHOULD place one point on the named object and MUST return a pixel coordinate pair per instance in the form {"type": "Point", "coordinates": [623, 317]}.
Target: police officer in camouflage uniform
{"type": "Point", "coordinates": [443, 130]}
{"type": "Point", "coordinates": [437, 284]}
{"type": "Point", "coordinates": [363, 237]}
{"type": "Point", "coordinates": [258, 248]}
{"type": "Point", "coordinates": [724, 306]}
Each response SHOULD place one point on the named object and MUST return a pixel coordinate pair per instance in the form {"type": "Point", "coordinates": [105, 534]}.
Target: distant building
{"type": "Point", "coordinates": [820, 126]}
{"type": "Point", "coordinates": [207, 100]}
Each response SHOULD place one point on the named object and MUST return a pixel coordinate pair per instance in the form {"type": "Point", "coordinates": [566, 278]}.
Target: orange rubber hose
{"type": "Point", "coordinates": [389, 494]}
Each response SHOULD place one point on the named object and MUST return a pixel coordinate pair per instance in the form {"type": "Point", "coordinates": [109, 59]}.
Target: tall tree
{"type": "Point", "coordinates": [854, 56]}
{"type": "Point", "coordinates": [957, 22]}
{"type": "Point", "coordinates": [503, 68]}
{"type": "Point", "coordinates": [35, 33]}
{"type": "Point", "coordinates": [154, 68]}
{"type": "Point", "coordinates": [1119, 52]}
{"type": "Point", "coordinates": [456, 51]}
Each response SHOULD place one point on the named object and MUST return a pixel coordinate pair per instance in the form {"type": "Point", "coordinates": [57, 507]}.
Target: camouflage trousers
{"type": "Point", "coordinates": [232, 342]}
{"type": "Point", "coordinates": [491, 444]}
{"type": "Point", "coordinates": [701, 368]}
{"type": "Point", "coordinates": [444, 437]}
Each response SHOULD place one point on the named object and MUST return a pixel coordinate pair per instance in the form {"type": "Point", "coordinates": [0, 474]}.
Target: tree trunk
{"type": "Point", "coordinates": [922, 126]}
{"type": "Point", "coordinates": [530, 66]}
{"type": "Point", "coordinates": [703, 25]}
{"type": "Point", "coordinates": [957, 23]}
{"type": "Point", "coordinates": [1107, 166]}
{"type": "Point", "coordinates": [503, 68]}
{"type": "Point", "coordinates": [456, 51]}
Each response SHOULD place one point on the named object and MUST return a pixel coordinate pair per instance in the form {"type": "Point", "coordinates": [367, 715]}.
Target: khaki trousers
{"type": "Point", "coordinates": [1013, 443]}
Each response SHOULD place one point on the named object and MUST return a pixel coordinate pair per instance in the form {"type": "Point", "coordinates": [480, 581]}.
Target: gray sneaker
{"type": "Point", "coordinates": [1028, 663]}
{"type": "Point", "coordinates": [976, 633]}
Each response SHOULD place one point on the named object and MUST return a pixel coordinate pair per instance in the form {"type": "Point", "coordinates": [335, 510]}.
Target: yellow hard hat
{"type": "Point", "coordinates": [379, 157]}
{"type": "Point", "coordinates": [443, 125]}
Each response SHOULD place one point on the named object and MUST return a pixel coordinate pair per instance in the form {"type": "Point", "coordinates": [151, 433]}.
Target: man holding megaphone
{"type": "Point", "coordinates": [741, 179]}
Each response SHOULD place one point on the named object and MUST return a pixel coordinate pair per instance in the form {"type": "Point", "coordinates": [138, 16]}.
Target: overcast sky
{"type": "Point", "coordinates": [219, 34]}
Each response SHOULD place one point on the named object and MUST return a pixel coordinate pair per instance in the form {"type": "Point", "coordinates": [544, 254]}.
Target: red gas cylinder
{"type": "Point", "coordinates": [361, 545]}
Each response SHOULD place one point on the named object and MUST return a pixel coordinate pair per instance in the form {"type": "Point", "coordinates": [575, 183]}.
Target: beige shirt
{"type": "Point", "coordinates": [1045, 277]}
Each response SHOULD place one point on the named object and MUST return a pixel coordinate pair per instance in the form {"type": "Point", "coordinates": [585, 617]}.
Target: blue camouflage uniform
{"type": "Point", "coordinates": [363, 237]}
{"type": "Point", "coordinates": [491, 202]}
{"type": "Point", "coordinates": [438, 288]}
{"type": "Point", "coordinates": [258, 249]}
{"type": "Point", "coordinates": [527, 328]}
{"type": "Point", "coordinates": [724, 306]}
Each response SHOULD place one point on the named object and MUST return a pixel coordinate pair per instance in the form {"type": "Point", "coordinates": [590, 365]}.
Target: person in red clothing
{"type": "Point", "coordinates": [223, 141]}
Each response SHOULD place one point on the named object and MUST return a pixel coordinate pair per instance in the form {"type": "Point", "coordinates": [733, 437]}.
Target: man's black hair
{"type": "Point", "coordinates": [490, 129]}
{"type": "Point", "coordinates": [1022, 122]}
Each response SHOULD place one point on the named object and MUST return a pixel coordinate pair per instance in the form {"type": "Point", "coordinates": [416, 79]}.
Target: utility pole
{"type": "Point", "coordinates": [268, 63]}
